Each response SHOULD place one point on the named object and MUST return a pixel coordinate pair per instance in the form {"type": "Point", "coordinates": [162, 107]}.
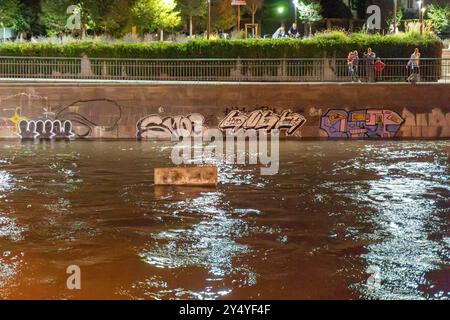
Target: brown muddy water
{"type": "Point", "coordinates": [341, 220]}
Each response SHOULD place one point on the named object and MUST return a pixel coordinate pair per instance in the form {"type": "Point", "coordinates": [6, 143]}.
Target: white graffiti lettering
{"type": "Point", "coordinates": [45, 129]}
{"type": "Point", "coordinates": [263, 119]}
{"type": "Point", "coordinates": [156, 127]}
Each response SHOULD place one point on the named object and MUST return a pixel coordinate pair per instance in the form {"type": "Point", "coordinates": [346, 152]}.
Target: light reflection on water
{"type": "Point", "coordinates": [209, 244]}
{"type": "Point", "coordinates": [6, 181]}
{"type": "Point", "coordinates": [337, 211]}
{"type": "Point", "coordinates": [405, 199]}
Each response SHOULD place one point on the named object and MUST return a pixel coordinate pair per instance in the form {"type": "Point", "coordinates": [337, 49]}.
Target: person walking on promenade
{"type": "Point", "coordinates": [353, 65]}
{"type": "Point", "coordinates": [414, 66]}
{"type": "Point", "coordinates": [379, 68]}
{"type": "Point", "coordinates": [369, 59]}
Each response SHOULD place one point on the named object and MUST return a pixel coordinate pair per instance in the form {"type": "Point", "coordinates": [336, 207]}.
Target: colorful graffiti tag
{"type": "Point", "coordinates": [366, 123]}
{"type": "Point", "coordinates": [45, 129]}
{"type": "Point", "coordinates": [38, 120]}
{"type": "Point", "coordinates": [263, 119]}
{"type": "Point", "coordinates": [15, 119]}
{"type": "Point", "coordinates": [157, 127]}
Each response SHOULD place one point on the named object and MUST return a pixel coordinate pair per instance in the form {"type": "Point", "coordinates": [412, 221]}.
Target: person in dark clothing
{"type": "Point", "coordinates": [369, 60]}
{"type": "Point", "coordinates": [293, 31]}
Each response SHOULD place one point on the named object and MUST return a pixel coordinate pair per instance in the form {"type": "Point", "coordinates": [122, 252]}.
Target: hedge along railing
{"type": "Point", "coordinates": [333, 44]}
{"type": "Point", "coordinates": [240, 70]}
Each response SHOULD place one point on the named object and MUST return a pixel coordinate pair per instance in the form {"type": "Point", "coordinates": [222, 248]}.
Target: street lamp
{"type": "Point", "coordinates": [209, 20]}
{"type": "Point", "coordinates": [395, 16]}
{"type": "Point", "coordinates": [4, 32]}
{"type": "Point", "coordinates": [280, 10]}
{"type": "Point", "coordinates": [421, 14]}
{"type": "Point", "coordinates": [422, 17]}
{"type": "Point", "coordinates": [294, 2]}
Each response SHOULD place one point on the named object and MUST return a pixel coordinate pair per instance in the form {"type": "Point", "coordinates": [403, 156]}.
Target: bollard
{"type": "Point", "coordinates": [188, 176]}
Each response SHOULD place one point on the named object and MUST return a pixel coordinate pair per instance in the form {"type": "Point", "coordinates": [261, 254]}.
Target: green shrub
{"type": "Point", "coordinates": [331, 44]}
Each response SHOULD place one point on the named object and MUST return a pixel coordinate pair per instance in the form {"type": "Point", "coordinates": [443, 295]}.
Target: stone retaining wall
{"type": "Point", "coordinates": [155, 110]}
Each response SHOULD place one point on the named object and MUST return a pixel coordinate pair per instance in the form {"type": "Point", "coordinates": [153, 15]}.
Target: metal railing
{"type": "Point", "coordinates": [235, 70]}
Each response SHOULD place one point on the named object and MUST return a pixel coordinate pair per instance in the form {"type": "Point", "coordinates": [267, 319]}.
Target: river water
{"type": "Point", "coordinates": [341, 220]}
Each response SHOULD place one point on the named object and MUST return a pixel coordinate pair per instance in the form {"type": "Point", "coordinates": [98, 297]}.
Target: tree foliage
{"type": "Point", "coordinates": [153, 15]}
{"type": "Point", "coordinates": [308, 11]}
{"type": "Point", "coordinates": [335, 9]}
{"type": "Point", "coordinates": [223, 15]}
{"type": "Point", "coordinates": [113, 17]}
{"type": "Point", "coordinates": [11, 15]}
{"type": "Point", "coordinates": [192, 8]}
{"type": "Point", "coordinates": [439, 16]}
{"type": "Point", "coordinates": [253, 7]}
{"type": "Point", "coordinates": [105, 16]}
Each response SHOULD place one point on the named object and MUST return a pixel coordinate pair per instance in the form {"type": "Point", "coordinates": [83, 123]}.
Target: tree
{"type": "Point", "coordinates": [113, 17]}
{"type": "Point", "coordinates": [335, 9]}
{"type": "Point", "coordinates": [439, 16]}
{"type": "Point", "coordinates": [223, 15]}
{"type": "Point", "coordinates": [361, 7]}
{"type": "Point", "coordinates": [31, 9]}
{"type": "Point", "coordinates": [191, 9]}
{"type": "Point", "coordinates": [11, 15]}
{"type": "Point", "coordinates": [56, 14]}
{"type": "Point", "coordinates": [398, 18]}
{"type": "Point", "coordinates": [308, 12]}
{"type": "Point", "coordinates": [254, 6]}
{"type": "Point", "coordinates": [153, 15]}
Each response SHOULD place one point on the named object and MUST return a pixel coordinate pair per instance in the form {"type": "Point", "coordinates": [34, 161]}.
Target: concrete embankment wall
{"type": "Point", "coordinates": [155, 110]}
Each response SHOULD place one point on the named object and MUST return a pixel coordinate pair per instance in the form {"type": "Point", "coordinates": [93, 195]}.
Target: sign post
{"type": "Point", "coordinates": [238, 3]}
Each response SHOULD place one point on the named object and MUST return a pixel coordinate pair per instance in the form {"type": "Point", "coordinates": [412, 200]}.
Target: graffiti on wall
{"type": "Point", "coordinates": [434, 124]}
{"type": "Point", "coordinates": [45, 129]}
{"type": "Point", "coordinates": [365, 123]}
{"type": "Point", "coordinates": [263, 119]}
{"type": "Point", "coordinates": [15, 119]}
{"type": "Point", "coordinates": [88, 115]}
{"type": "Point", "coordinates": [158, 127]}
{"type": "Point", "coordinates": [31, 117]}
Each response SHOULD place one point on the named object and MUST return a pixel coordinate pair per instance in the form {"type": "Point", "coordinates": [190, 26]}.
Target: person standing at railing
{"type": "Point", "coordinates": [379, 68]}
{"type": "Point", "coordinates": [369, 59]}
{"type": "Point", "coordinates": [353, 65]}
{"type": "Point", "coordinates": [414, 65]}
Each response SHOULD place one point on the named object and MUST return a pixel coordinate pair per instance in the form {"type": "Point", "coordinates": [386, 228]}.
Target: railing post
{"type": "Point", "coordinates": [86, 67]}
{"type": "Point", "coordinates": [236, 73]}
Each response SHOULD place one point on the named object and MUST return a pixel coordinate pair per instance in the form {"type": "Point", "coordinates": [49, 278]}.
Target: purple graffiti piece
{"type": "Point", "coordinates": [356, 124]}
{"type": "Point", "coordinates": [367, 123]}
{"type": "Point", "coordinates": [334, 123]}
